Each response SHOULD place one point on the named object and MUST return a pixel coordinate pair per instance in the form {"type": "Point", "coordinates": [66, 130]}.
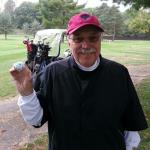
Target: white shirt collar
{"type": "Point", "coordinates": [91, 68]}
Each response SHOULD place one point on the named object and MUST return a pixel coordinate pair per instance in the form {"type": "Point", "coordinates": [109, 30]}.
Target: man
{"type": "Point", "coordinates": [88, 101]}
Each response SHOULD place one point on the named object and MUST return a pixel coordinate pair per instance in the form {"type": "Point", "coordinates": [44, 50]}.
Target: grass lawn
{"type": "Point", "coordinates": [143, 90]}
{"type": "Point", "coordinates": [127, 52]}
{"type": "Point", "coordinates": [11, 50]}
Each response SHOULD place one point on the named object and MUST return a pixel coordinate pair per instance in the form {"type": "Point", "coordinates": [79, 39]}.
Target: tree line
{"type": "Point", "coordinates": [30, 17]}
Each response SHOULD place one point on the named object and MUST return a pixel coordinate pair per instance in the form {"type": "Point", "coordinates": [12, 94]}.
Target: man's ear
{"type": "Point", "coordinates": [68, 42]}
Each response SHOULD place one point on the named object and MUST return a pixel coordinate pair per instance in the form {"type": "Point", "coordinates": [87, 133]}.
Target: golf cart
{"type": "Point", "coordinates": [45, 48]}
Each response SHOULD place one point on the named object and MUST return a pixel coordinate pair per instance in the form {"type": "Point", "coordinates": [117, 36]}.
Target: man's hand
{"type": "Point", "coordinates": [23, 80]}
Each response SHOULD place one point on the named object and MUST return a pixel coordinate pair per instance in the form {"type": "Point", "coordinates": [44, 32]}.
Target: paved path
{"type": "Point", "coordinates": [138, 73]}
{"type": "Point", "coordinates": [13, 130]}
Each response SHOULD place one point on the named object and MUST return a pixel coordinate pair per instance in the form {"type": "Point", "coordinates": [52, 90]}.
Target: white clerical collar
{"type": "Point", "coordinates": [91, 68]}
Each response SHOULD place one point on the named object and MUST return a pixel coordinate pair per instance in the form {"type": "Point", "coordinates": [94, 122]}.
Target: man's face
{"type": "Point", "coordinates": [85, 45]}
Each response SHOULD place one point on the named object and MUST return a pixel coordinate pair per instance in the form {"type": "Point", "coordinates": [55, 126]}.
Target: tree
{"type": "Point", "coordinates": [35, 27]}
{"type": "Point", "coordinates": [128, 16]}
{"type": "Point", "coordinates": [135, 3]}
{"type": "Point", "coordinates": [111, 19]}
{"type": "Point", "coordinates": [26, 28]}
{"type": "Point", "coordinates": [5, 24]}
{"type": "Point", "coordinates": [9, 8]}
{"type": "Point", "coordinates": [56, 13]}
{"type": "Point", "coordinates": [25, 13]}
{"type": "Point", "coordinates": [140, 24]}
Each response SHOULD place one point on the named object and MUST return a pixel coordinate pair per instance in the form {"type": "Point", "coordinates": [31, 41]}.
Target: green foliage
{"type": "Point", "coordinates": [9, 7]}
{"type": "Point", "coordinates": [32, 28]}
{"type": "Point", "coordinates": [35, 26]}
{"type": "Point", "coordinates": [6, 25]}
{"type": "Point", "coordinates": [130, 23]}
{"type": "Point", "coordinates": [25, 13]}
{"type": "Point", "coordinates": [137, 22]}
{"type": "Point", "coordinates": [56, 13]}
{"type": "Point", "coordinates": [26, 28]}
{"type": "Point", "coordinates": [111, 18]}
{"type": "Point", "coordinates": [140, 23]}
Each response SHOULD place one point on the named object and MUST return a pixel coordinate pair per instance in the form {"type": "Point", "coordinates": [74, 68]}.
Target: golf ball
{"type": "Point", "coordinates": [19, 66]}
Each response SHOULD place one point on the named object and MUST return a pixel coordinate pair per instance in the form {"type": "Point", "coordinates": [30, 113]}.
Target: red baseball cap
{"type": "Point", "coordinates": [82, 19]}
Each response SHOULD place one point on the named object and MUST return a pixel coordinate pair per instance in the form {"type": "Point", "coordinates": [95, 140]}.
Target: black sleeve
{"type": "Point", "coordinates": [44, 94]}
{"type": "Point", "coordinates": [133, 119]}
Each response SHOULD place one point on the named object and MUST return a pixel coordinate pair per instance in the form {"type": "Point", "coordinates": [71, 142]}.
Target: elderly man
{"type": "Point", "coordinates": [90, 102]}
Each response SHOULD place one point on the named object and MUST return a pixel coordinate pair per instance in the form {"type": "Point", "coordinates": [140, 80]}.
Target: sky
{"type": "Point", "coordinates": [90, 3]}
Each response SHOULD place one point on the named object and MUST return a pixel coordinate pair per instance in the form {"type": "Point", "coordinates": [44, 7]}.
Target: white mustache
{"type": "Point", "coordinates": [87, 51]}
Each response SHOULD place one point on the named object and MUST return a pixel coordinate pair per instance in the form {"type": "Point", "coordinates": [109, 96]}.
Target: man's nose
{"type": "Point", "coordinates": [85, 44]}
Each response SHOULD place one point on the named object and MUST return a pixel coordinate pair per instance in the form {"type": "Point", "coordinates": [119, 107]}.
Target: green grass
{"type": "Point", "coordinates": [143, 90]}
{"type": "Point", "coordinates": [127, 52]}
{"type": "Point", "coordinates": [12, 50]}
{"type": "Point", "coordinates": [40, 144]}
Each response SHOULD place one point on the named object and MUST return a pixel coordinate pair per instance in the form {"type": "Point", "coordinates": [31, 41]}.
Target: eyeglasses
{"type": "Point", "coordinates": [91, 39]}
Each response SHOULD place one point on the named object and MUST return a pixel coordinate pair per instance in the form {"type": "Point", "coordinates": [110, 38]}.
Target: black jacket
{"type": "Point", "coordinates": [89, 110]}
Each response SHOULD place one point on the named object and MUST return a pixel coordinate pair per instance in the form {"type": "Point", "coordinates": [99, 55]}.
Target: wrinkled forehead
{"type": "Point", "coordinates": [87, 29]}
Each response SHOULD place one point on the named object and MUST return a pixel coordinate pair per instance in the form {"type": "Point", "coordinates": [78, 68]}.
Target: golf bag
{"type": "Point", "coordinates": [38, 56]}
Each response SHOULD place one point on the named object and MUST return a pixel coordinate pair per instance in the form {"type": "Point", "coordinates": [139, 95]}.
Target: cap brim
{"type": "Point", "coordinates": [82, 25]}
